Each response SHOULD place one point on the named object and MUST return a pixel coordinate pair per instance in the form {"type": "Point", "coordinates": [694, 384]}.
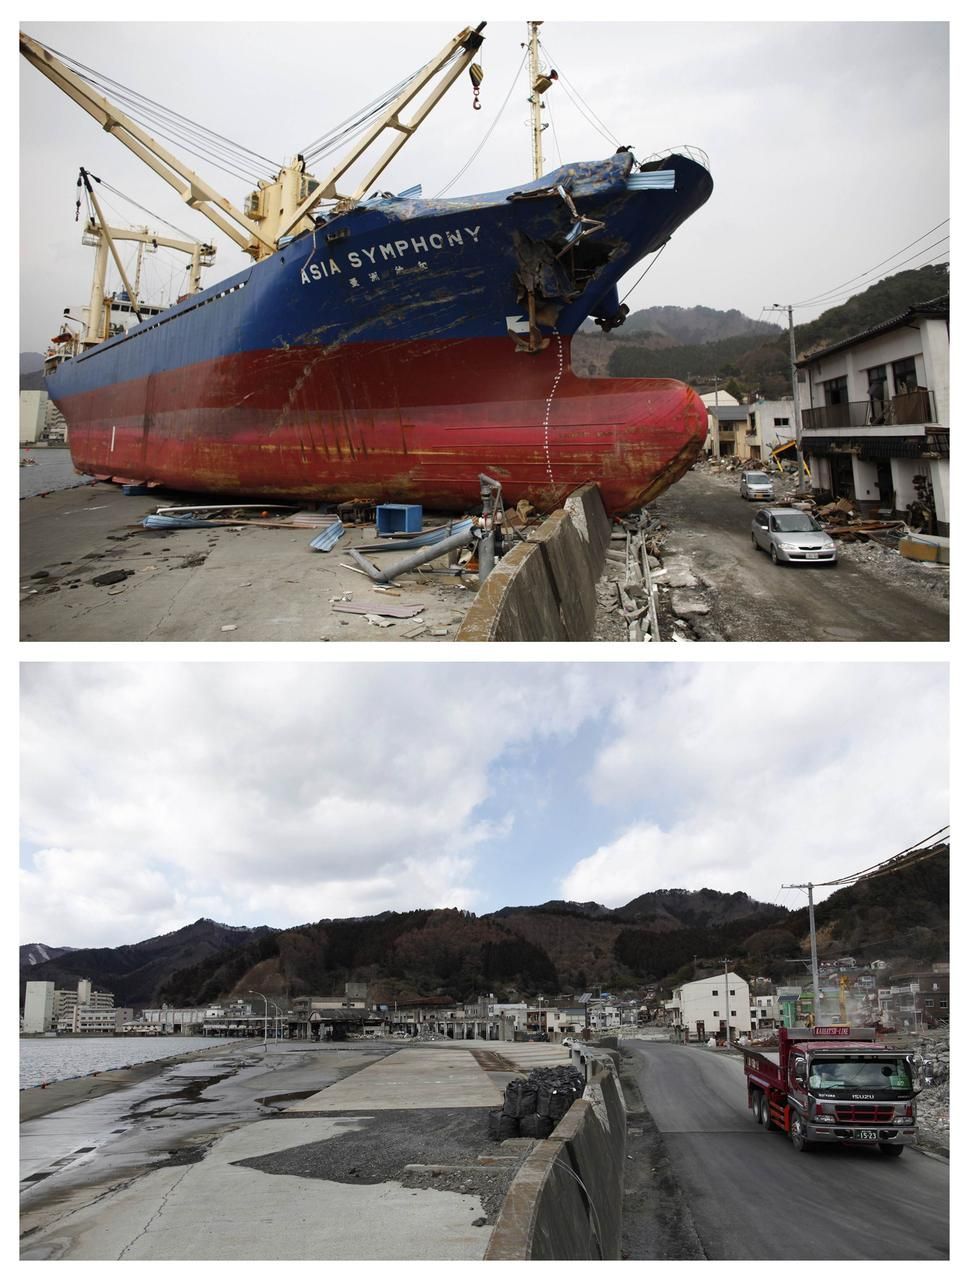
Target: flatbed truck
{"type": "Point", "coordinates": [836, 1084]}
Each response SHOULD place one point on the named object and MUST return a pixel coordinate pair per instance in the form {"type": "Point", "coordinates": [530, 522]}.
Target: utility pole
{"type": "Point", "coordinates": [814, 944]}
{"type": "Point", "coordinates": [797, 401]}
{"type": "Point", "coordinates": [726, 994]}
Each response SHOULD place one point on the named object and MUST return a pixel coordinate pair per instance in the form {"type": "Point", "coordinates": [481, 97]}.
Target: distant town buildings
{"type": "Point", "coordinates": [81, 1011]}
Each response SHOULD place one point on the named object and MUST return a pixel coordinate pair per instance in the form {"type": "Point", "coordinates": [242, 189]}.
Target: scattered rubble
{"type": "Point", "coordinates": [932, 1056]}
{"type": "Point", "coordinates": [861, 538]}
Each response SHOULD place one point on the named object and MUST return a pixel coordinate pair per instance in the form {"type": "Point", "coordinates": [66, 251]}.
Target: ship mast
{"type": "Point", "coordinates": [539, 82]}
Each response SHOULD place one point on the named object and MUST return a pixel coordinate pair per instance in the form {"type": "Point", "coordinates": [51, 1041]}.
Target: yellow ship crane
{"type": "Point", "coordinates": [103, 238]}
{"type": "Point", "coordinates": [284, 207]}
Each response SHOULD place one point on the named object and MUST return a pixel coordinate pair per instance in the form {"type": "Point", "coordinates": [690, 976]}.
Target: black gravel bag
{"type": "Point", "coordinates": [508, 1127]}
{"type": "Point", "coordinates": [535, 1126]}
{"type": "Point", "coordinates": [521, 1098]}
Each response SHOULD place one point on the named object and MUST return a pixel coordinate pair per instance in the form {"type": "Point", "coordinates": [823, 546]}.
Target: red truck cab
{"type": "Point", "coordinates": [834, 1084]}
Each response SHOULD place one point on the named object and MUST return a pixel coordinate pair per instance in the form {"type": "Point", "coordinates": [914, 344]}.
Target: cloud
{"type": "Point", "coordinates": [745, 778]}
{"type": "Point", "coordinates": [276, 793]}
{"type": "Point", "coordinates": [270, 793]}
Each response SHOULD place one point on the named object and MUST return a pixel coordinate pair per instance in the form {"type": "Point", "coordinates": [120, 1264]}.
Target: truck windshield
{"type": "Point", "coordinates": [860, 1073]}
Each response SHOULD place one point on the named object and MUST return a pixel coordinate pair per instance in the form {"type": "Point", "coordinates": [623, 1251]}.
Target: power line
{"type": "Point", "coordinates": [850, 293]}
{"type": "Point", "coordinates": [835, 288]}
{"type": "Point", "coordinates": [891, 864]}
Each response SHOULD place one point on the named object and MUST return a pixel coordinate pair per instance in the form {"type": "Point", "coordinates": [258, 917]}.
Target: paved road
{"type": "Point", "coordinates": [752, 1196]}
{"type": "Point", "coordinates": [757, 600]}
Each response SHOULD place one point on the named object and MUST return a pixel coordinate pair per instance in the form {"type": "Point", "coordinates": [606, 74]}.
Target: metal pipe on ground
{"type": "Point", "coordinates": [388, 575]}
{"type": "Point", "coordinates": [490, 493]}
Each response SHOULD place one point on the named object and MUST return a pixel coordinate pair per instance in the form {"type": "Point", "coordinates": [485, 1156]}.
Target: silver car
{"type": "Point", "coordinates": [756, 484]}
{"type": "Point", "coordinates": [792, 537]}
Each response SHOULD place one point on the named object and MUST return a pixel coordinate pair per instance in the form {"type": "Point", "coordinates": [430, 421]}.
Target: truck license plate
{"type": "Point", "coordinates": [868, 1135]}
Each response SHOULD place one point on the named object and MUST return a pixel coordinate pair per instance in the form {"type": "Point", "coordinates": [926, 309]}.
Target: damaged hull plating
{"type": "Point", "coordinates": [398, 350]}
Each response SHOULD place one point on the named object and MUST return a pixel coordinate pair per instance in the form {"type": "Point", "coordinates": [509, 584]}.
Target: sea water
{"type": "Point", "coordinates": [47, 1059]}
{"type": "Point", "coordinates": [47, 471]}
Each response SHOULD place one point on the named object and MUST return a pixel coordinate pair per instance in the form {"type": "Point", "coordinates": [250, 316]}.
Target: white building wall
{"type": "Point", "coordinates": [708, 1001]}
{"type": "Point", "coordinates": [39, 1007]}
{"type": "Point", "coordinates": [935, 353]}
{"type": "Point", "coordinates": [770, 434]}
{"type": "Point", "coordinates": [866, 481]}
{"type": "Point", "coordinates": [904, 471]}
{"type": "Point", "coordinates": [939, 475]}
{"type": "Point", "coordinates": [33, 416]}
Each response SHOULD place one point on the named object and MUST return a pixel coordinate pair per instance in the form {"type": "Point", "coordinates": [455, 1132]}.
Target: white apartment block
{"type": "Point", "coordinates": [706, 1007]}
{"type": "Point", "coordinates": [38, 1008]}
{"type": "Point", "coordinates": [85, 1020]}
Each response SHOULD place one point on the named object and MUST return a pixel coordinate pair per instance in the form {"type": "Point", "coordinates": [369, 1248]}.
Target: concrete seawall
{"type": "Point", "coordinates": [544, 589]}
{"type": "Point", "coordinates": [565, 1203]}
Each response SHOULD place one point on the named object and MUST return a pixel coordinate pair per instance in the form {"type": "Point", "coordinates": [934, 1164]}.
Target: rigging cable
{"type": "Point", "coordinates": [477, 151]}
{"type": "Point", "coordinates": [157, 217]}
{"type": "Point", "coordinates": [599, 125]}
{"type": "Point", "coordinates": [324, 142]}
{"type": "Point", "coordinates": [659, 254]}
{"type": "Point", "coordinates": [102, 81]}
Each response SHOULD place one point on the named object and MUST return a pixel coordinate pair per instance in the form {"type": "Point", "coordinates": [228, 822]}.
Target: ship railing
{"type": "Point", "coordinates": [696, 154]}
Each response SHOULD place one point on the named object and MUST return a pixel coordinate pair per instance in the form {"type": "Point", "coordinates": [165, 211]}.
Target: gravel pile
{"type": "Point", "coordinates": [434, 1149]}
{"type": "Point", "coordinates": [895, 569]}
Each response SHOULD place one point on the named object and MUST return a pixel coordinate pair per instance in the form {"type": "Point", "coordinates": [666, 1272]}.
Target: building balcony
{"type": "Point", "coordinates": [915, 408]}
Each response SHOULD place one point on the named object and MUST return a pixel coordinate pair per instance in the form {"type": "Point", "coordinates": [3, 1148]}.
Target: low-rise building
{"type": "Point", "coordinates": [708, 1006]}
{"type": "Point", "coordinates": [875, 416]}
{"type": "Point", "coordinates": [915, 1000]}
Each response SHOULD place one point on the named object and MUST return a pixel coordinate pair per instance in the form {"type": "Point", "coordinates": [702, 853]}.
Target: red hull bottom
{"type": "Point", "coordinates": [390, 423]}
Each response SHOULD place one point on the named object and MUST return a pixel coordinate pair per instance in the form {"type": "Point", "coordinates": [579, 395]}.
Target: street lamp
{"type": "Point", "coordinates": [265, 1021]}
{"type": "Point", "coordinates": [277, 1020]}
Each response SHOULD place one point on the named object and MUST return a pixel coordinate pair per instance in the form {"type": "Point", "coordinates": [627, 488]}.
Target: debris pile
{"type": "Point", "coordinates": [932, 1059]}
{"type": "Point", "coordinates": [842, 520]}
{"type": "Point", "coordinates": [626, 589]}
{"type": "Point", "coordinates": [533, 1106]}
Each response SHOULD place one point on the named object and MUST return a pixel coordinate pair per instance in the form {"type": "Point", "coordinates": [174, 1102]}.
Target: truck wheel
{"type": "Point", "coordinates": [756, 1102]}
{"type": "Point", "coordinates": [798, 1140]}
{"type": "Point", "coordinates": [889, 1149]}
{"type": "Point", "coordinates": [765, 1119]}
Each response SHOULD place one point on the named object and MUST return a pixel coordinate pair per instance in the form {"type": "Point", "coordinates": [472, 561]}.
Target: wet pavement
{"type": "Point", "coordinates": [170, 1118]}
{"type": "Point", "coordinates": [238, 1154]}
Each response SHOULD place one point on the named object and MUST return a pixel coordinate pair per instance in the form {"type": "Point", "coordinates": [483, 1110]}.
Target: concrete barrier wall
{"type": "Point", "coordinates": [544, 589]}
{"type": "Point", "coordinates": [565, 1204]}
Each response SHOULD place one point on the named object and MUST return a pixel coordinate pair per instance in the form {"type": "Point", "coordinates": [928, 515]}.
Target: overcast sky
{"type": "Point", "coordinates": [278, 794]}
{"type": "Point", "coordinates": [828, 141]}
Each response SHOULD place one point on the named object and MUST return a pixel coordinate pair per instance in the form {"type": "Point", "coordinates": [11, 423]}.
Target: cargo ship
{"type": "Point", "coordinates": [393, 348]}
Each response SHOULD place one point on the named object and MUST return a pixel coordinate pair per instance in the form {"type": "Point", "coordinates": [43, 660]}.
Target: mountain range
{"type": "Point", "coordinates": [704, 347]}
{"type": "Point", "coordinates": [657, 938]}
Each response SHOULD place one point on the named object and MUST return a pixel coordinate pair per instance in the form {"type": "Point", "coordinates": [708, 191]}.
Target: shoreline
{"type": "Point", "coordinates": [42, 1100]}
